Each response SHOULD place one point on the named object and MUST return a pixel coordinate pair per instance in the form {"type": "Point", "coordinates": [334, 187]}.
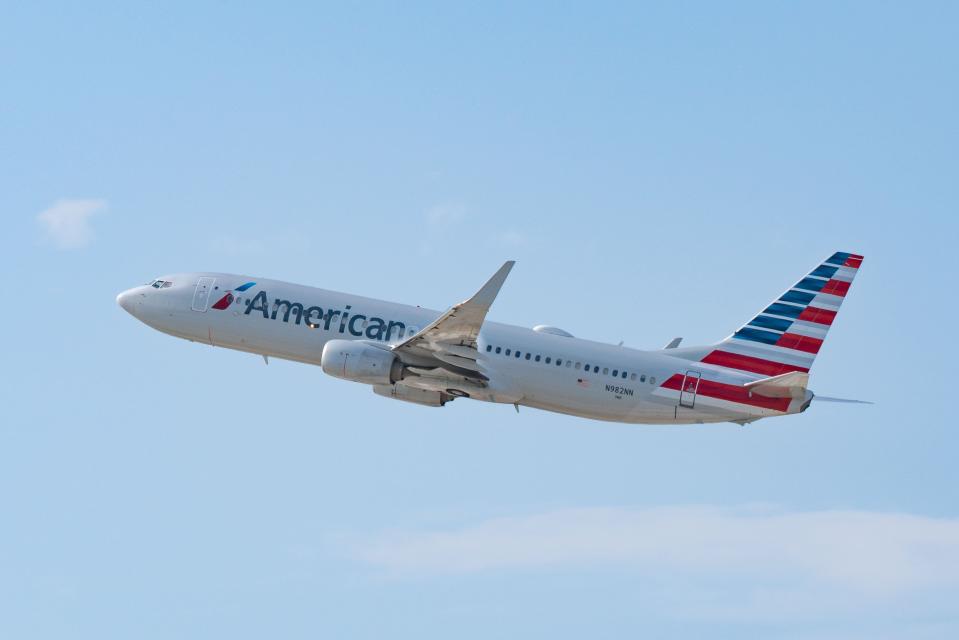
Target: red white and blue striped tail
{"type": "Point", "coordinates": [788, 333]}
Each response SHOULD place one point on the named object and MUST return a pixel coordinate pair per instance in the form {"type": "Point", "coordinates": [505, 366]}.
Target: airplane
{"type": "Point", "coordinates": [431, 358]}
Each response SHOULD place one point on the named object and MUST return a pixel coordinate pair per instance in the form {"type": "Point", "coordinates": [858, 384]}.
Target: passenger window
{"type": "Point", "coordinates": [652, 380]}
{"type": "Point", "coordinates": [497, 349]}
{"type": "Point", "coordinates": [632, 376]}
{"type": "Point", "coordinates": [547, 359]}
{"type": "Point", "coordinates": [537, 358]}
{"type": "Point", "coordinates": [605, 371]}
{"type": "Point", "coordinates": [489, 348]}
{"type": "Point", "coordinates": [578, 365]}
{"type": "Point", "coordinates": [559, 362]}
{"type": "Point", "coordinates": [624, 375]}
{"type": "Point", "coordinates": [615, 373]}
{"type": "Point", "coordinates": [642, 378]}
{"type": "Point", "coordinates": [528, 355]}
{"type": "Point", "coordinates": [569, 363]}
{"type": "Point", "coordinates": [507, 352]}
{"type": "Point", "coordinates": [587, 368]}
{"type": "Point", "coordinates": [518, 354]}
{"type": "Point", "coordinates": [596, 368]}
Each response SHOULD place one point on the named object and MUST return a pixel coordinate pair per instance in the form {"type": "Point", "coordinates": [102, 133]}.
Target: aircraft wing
{"type": "Point", "coordinates": [450, 341]}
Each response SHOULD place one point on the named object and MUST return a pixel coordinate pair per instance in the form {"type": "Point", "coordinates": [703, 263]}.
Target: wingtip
{"type": "Point", "coordinates": [506, 268]}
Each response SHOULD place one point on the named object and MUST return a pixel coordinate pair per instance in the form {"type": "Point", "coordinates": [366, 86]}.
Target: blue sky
{"type": "Point", "coordinates": [656, 171]}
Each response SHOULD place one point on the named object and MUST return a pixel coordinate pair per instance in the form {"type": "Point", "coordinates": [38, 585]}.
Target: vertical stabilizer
{"type": "Point", "coordinates": [787, 335]}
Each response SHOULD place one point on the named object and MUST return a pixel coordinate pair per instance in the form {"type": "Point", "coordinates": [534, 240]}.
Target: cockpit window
{"type": "Point", "coordinates": [161, 284]}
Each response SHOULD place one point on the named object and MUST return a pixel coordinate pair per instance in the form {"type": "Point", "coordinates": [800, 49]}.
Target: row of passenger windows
{"type": "Point", "coordinates": [559, 362]}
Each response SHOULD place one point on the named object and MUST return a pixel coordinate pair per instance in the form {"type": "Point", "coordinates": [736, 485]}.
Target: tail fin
{"type": "Point", "coordinates": [787, 335]}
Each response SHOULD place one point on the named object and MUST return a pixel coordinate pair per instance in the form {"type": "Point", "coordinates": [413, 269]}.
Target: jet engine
{"type": "Point", "coordinates": [410, 394]}
{"type": "Point", "coordinates": [360, 362]}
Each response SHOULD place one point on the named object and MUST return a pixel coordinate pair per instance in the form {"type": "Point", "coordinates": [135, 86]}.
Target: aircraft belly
{"type": "Point", "coordinates": [587, 398]}
{"type": "Point", "coordinates": [598, 404]}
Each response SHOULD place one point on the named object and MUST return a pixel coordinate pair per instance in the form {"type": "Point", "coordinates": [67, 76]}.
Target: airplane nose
{"type": "Point", "coordinates": [126, 301]}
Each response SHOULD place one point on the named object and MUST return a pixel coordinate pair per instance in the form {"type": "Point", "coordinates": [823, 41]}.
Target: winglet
{"type": "Point", "coordinates": [485, 296]}
{"type": "Point", "coordinates": [673, 343]}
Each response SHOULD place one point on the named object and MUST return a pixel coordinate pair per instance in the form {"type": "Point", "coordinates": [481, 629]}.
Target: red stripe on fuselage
{"type": "Point", "coordinates": [749, 363]}
{"type": "Point", "coordinates": [730, 393]}
{"type": "Point", "coordinates": [819, 316]}
{"type": "Point", "coordinates": [835, 288]}
{"type": "Point", "coordinates": [800, 343]}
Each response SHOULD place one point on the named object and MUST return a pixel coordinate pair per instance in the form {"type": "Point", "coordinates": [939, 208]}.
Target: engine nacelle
{"type": "Point", "coordinates": [360, 362]}
{"type": "Point", "coordinates": [409, 394]}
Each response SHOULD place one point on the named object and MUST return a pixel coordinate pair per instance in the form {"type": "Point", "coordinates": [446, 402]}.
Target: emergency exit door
{"type": "Point", "coordinates": [687, 393]}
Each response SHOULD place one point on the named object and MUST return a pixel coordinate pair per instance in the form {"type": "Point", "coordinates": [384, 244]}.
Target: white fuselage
{"type": "Point", "coordinates": [294, 322]}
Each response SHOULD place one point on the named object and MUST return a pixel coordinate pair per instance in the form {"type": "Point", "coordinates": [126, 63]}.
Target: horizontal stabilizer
{"type": "Point", "coordinates": [845, 400]}
{"type": "Point", "coordinates": [786, 385]}
{"type": "Point", "coordinates": [673, 343]}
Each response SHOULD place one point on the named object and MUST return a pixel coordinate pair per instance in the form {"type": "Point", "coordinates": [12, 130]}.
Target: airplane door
{"type": "Point", "coordinates": [687, 393]}
{"type": "Point", "coordinates": [201, 296]}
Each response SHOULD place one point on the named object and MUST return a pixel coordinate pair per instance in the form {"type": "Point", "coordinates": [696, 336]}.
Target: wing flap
{"type": "Point", "coordinates": [457, 361]}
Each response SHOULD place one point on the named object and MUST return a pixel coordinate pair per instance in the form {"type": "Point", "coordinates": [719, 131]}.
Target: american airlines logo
{"type": "Point", "coordinates": [337, 320]}
{"type": "Point", "coordinates": [227, 300]}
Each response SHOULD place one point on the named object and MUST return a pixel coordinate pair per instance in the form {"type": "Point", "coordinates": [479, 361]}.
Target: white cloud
{"type": "Point", "coordinates": [67, 222]}
{"type": "Point", "coordinates": [855, 552]}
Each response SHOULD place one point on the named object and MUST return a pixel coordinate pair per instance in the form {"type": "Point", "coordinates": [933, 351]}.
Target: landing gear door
{"type": "Point", "coordinates": [201, 296]}
{"type": "Point", "coordinates": [687, 393]}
